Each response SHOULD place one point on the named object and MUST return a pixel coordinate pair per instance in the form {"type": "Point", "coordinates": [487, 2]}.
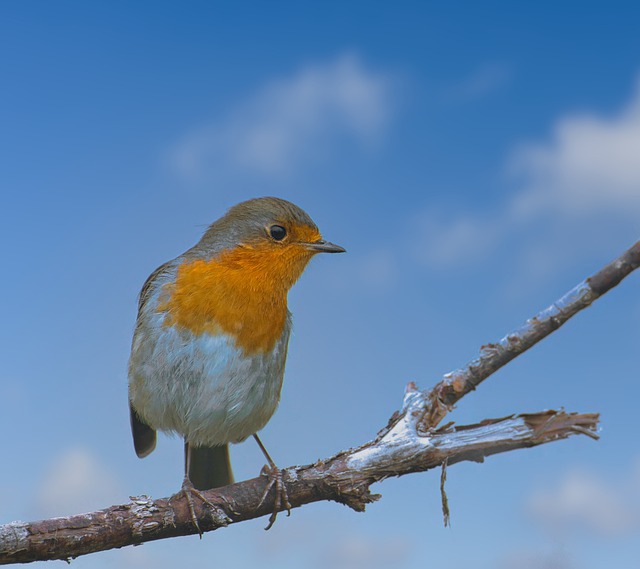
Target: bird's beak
{"type": "Point", "coordinates": [324, 247]}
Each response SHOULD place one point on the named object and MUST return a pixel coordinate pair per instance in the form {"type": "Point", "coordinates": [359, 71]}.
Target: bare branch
{"type": "Point", "coordinates": [458, 383]}
{"type": "Point", "coordinates": [345, 478]}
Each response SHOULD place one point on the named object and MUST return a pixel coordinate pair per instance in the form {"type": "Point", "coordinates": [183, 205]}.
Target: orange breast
{"type": "Point", "coordinates": [242, 293]}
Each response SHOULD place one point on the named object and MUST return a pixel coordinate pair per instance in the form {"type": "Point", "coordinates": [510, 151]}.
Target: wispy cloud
{"type": "Point", "coordinates": [482, 81]}
{"type": "Point", "coordinates": [442, 242]}
{"type": "Point", "coordinates": [76, 482]}
{"type": "Point", "coordinates": [591, 165]}
{"type": "Point", "coordinates": [359, 551]}
{"type": "Point", "coordinates": [580, 185]}
{"type": "Point", "coordinates": [291, 122]}
{"type": "Point", "coordinates": [583, 501]}
{"type": "Point", "coordinates": [328, 542]}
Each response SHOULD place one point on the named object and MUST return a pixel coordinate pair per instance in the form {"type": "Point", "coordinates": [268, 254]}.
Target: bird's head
{"type": "Point", "coordinates": [267, 237]}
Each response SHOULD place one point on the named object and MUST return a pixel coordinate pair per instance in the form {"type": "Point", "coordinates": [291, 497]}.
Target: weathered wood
{"type": "Point", "coordinates": [493, 356]}
{"type": "Point", "coordinates": [345, 478]}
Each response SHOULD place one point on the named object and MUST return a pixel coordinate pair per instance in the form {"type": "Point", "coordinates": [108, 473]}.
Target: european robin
{"type": "Point", "coordinates": [210, 342]}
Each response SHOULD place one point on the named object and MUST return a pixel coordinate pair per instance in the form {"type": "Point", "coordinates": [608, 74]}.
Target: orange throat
{"type": "Point", "coordinates": [242, 293]}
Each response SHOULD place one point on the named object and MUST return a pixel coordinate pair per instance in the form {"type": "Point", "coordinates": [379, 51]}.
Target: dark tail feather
{"type": "Point", "coordinates": [144, 437]}
{"type": "Point", "coordinates": [208, 467]}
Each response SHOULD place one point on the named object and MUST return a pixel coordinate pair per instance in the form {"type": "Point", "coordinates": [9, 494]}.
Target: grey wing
{"type": "Point", "coordinates": [147, 287]}
{"type": "Point", "coordinates": [144, 436]}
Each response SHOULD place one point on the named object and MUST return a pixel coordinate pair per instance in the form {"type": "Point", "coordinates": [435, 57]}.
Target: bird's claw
{"type": "Point", "coordinates": [189, 491]}
{"type": "Point", "coordinates": [281, 498]}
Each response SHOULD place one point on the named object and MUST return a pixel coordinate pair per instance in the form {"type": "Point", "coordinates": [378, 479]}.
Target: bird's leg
{"type": "Point", "coordinates": [189, 491]}
{"type": "Point", "coordinates": [275, 479]}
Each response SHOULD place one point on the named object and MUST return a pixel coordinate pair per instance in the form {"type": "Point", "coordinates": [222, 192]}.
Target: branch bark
{"type": "Point", "coordinates": [345, 478]}
{"type": "Point", "coordinates": [493, 356]}
{"type": "Point", "coordinates": [411, 442]}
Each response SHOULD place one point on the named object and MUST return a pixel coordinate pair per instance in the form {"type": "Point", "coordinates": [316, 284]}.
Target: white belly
{"type": "Point", "coordinates": [203, 387]}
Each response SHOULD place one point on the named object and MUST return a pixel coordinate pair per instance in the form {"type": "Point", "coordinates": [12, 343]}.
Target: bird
{"type": "Point", "coordinates": [210, 341]}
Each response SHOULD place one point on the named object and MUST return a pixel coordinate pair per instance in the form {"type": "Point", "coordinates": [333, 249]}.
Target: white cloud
{"type": "Point", "coordinates": [585, 502]}
{"type": "Point", "coordinates": [577, 191]}
{"type": "Point", "coordinates": [292, 121]}
{"type": "Point", "coordinates": [591, 165]}
{"type": "Point", "coordinates": [76, 482]}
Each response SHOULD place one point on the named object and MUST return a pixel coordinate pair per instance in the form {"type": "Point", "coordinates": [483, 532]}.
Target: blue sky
{"type": "Point", "coordinates": [477, 160]}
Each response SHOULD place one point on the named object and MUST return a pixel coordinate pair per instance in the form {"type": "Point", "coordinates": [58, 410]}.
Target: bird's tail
{"type": "Point", "coordinates": [208, 467]}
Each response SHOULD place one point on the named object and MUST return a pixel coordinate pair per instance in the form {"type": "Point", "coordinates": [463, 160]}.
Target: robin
{"type": "Point", "coordinates": [210, 342]}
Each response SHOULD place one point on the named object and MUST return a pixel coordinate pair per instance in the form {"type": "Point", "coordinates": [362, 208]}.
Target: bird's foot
{"type": "Point", "coordinates": [276, 480]}
{"type": "Point", "coordinates": [189, 491]}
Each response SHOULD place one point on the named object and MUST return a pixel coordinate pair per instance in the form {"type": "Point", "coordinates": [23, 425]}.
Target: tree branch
{"type": "Point", "coordinates": [458, 383]}
{"type": "Point", "coordinates": [343, 478]}
{"type": "Point", "coordinates": [409, 443]}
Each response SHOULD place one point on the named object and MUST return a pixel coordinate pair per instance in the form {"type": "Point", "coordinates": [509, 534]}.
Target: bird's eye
{"type": "Point", "coordinates": [277, 232]}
